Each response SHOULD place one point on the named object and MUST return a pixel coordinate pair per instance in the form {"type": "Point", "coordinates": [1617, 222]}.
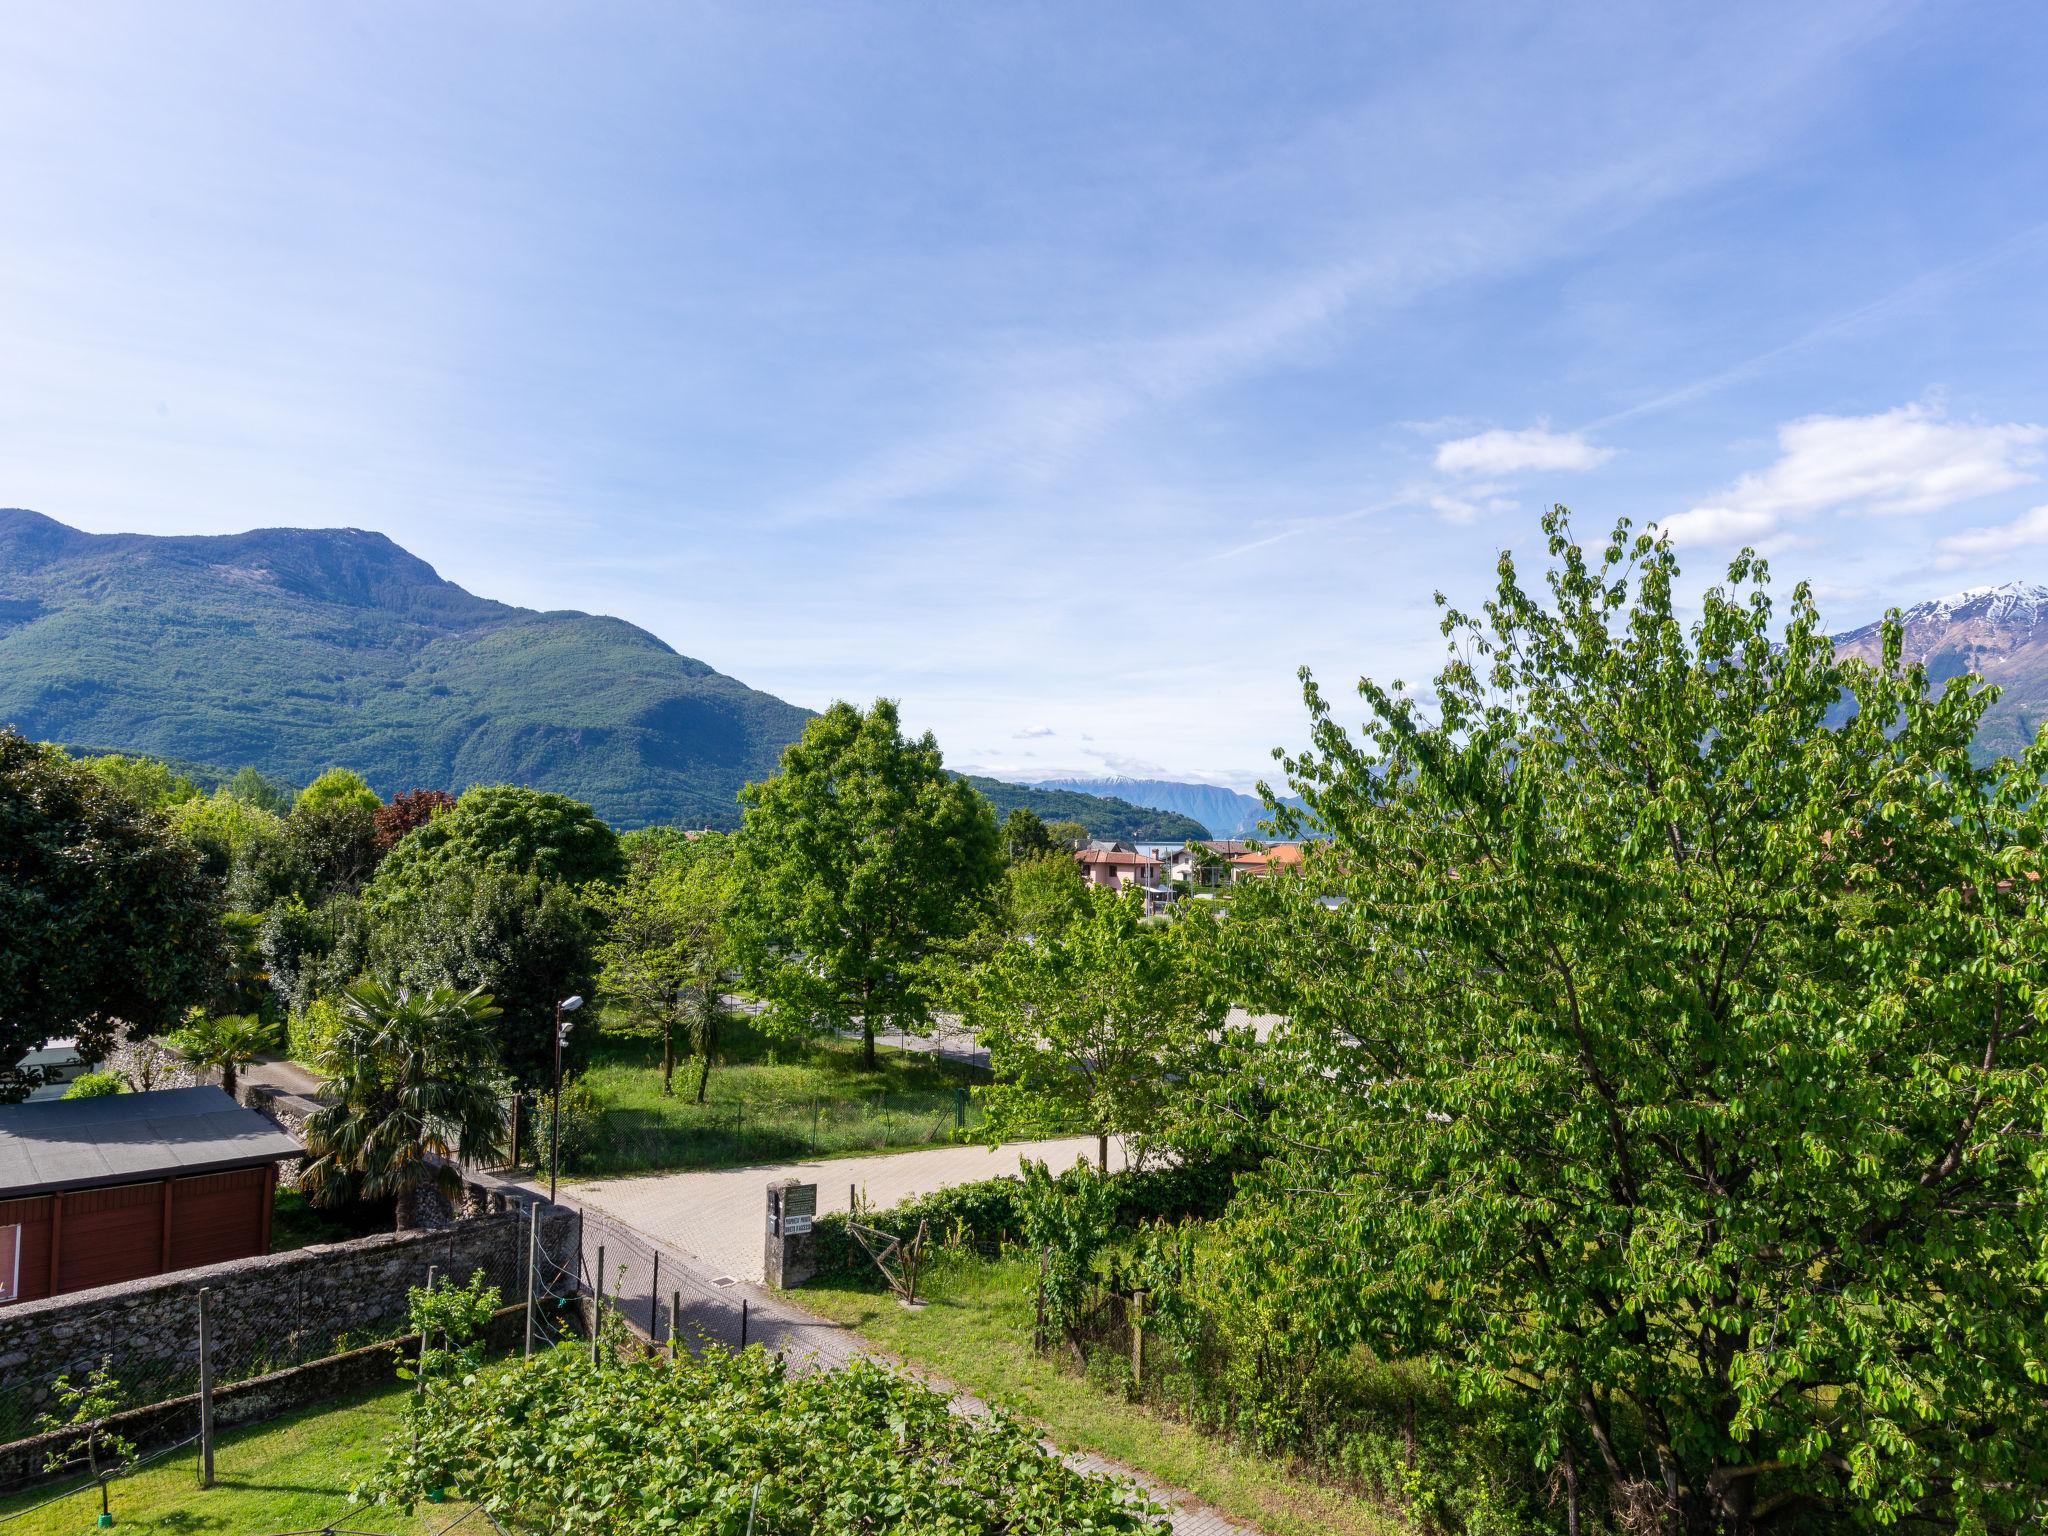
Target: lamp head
{"type": "Point", "coordinates": [570, 1004]}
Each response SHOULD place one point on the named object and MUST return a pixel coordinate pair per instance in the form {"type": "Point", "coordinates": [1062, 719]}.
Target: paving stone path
{"type": "Point", "coordinates": [708, 1232]}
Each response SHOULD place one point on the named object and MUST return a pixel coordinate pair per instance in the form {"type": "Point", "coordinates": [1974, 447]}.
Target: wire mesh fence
{"type": "Point", "coordinates": [288, 1372]}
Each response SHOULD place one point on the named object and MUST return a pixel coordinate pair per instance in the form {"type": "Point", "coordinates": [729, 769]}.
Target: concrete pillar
{"type": "Point", "coordinates": [792, 1256]}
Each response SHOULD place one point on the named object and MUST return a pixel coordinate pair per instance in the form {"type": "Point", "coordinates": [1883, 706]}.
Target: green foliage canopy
{"type": "Point", "coordinates": [665, 950]}
{"type": "Point", "coordinates": [1672, 1072]}
{"type": "Point", "coordinates": [526, 940]}
{"type": "Point", "coordinates": [1100, 1014]}
{"type": "Point", "coordinates": [860, 858]}
{"type": "Point", "coordinates": [109, 916]}
{"type": "Point", "coordinates": [337, 787]}
{"type": "Point", "coordinates": [528, 831]}
{"type": "Point", "coordinates": [716, 1441]}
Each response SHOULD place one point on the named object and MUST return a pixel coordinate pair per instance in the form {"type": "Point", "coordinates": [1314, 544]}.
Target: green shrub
{"type": "Point", "coordinates": [719, 1442]}
{"type": "Point", "coordinates": [96, 1085]}
{"type": "Point", "coordinates": [582, 1117]}
{"type": "Point", "coordinates": [311, 1029]}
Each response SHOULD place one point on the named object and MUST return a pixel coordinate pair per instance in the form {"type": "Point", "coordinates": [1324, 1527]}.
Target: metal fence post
{"type": "Point", "coordinates": [654, 1301]}
{"type": "Point", "coordinates": [532, 1264]}
{"type": "Point", "coordinates": [205, 1392]}
{"type": "Point", "coordinates": [597, 1307]}
{"type": "Point", "coordinates": [675, 1322]}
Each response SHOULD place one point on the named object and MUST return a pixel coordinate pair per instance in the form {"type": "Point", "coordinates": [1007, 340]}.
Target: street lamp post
{"type": "Point", "coordinates": [567, 1005]}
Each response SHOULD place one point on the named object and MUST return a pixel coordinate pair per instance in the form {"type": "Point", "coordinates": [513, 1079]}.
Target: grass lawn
{"type": "Point", "coordinates": [767, 1101]}
{"type": "Point", "coordinates": [976, 1333]}
{"type": "Point", "coordinates": [292, 1474]}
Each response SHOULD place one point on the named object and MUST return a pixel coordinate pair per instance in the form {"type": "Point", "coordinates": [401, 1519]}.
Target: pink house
{"type": "Point", "coordinates": [1116, 867]}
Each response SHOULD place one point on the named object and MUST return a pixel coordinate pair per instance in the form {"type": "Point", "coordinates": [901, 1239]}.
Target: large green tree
{"type": "Point", "coordinates": [1097, 1016]}
{"type": "Point", "coordinates": [861, 857]}
{"type": "Point", "coordinates": [107, 916]}
{"type": "Point", "coordinates": [529, 831]}
{"type": "Point", "coordinates": [1671, 1074]}
{"type": "Point", "coordinates": [526, 940]}
{"type": "Point", "coordinates": [665, 953]}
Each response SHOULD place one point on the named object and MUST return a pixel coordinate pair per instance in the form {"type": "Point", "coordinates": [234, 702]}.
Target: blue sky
{"type": "Point", "coordinates": [1071, 373]}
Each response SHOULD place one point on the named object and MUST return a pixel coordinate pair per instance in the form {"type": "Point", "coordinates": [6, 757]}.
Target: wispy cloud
{"type": "Point", "coordinates": [1502, 452]}
{"type": "Point", "coordinates": [1897, 462]}
{"type": "Point", "coordinates": [1034, 733]}
{"type": "Point", "coordinates": [2027, 531]}
{"type": "Point", "coordinates": [1469, 509]}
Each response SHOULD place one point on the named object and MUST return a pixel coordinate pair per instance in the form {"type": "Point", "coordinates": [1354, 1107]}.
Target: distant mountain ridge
{"type": "Point", "coordinates": [291, 650]}
{"type": "Point", "coordinates": [1999, 632]}
{"type": "Point", "coordinates": [1225, 812]}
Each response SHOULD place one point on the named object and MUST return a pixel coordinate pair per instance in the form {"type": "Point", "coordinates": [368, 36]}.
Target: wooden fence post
{"type": "Point", "coordinates": [1138, 1341]}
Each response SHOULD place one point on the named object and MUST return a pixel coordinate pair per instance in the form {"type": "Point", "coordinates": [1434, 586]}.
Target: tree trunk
{"type": "Point", "coordinates": [867, 1043]}
{"type": "Point", "coordinates": [227, 1080]}
{"type": "Point", "coordinates": [668, 1057]}
{"type": "Point", "coordinates": [703, 1074]}
{"type": "Point", "coordinates": [405, 1209]}
{"type": "Point", "coordinates": [1102, 1152]}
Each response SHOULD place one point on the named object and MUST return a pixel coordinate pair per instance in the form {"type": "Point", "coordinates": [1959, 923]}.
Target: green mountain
{"type": "Point", "coordinates": [1102, 815]}
{"type": "Point", "coordinates": [291, 650]}
{"type": "Point", "coordinates": [295, 649]}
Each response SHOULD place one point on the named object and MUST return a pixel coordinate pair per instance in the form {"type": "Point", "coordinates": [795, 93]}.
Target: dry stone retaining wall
{"type": "Point", "coordinates": [265, 1313]}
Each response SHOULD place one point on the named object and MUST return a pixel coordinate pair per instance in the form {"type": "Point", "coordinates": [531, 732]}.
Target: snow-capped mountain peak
{"type": "Point", "coordinates": [2010, 603]}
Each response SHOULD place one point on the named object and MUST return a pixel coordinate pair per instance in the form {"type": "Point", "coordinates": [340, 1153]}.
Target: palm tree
{"type": "Point", "coordinates": [229, 1041]}
{"type": "Point", "coordinates": [411, 1085]}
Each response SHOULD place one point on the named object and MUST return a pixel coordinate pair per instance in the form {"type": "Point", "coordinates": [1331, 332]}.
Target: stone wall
{"type": "Point", "coordinates": [265, 1313]}
{"type": "Point", "coordinates": [149, 1064]}
{"type": "Point", "coordinates": [333, 1379]}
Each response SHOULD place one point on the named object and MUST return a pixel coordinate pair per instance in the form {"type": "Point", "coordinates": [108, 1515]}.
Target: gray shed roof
{"type": "Point", "coordinates": [126, 1138]}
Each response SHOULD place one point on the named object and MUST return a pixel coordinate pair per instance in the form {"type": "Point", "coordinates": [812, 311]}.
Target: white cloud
{"type": "Point", "coordinates": [1501, 452]}
{"type": "Point", "coordinates": [1033, 733]}
{"type": "Point", "coordinates": [1892, 464]}
{"type": "Point", "coordinates": [2027, 531]}
{"type": "Point", "coordinates": [1466, 509]}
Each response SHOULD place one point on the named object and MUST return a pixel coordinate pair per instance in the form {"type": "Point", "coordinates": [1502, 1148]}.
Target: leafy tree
{"type": "Point", "coordinates": [252, 788]}
{"type": "Point", "coordinates": [335, 842]}
{"type": "Point", "coordinates": [1041, 895]}
{"type": "Point", "coordinates": [411, 1086]}
{"type": "Point", "coordinates": [1098, 1017]}
{"type": "Point", "coordinates": [87, 1406]}
{"type": "Point", "coordinates": [664, 951]}
{"type": "Point", "coordinates": [226, 1043]}
{"type": "Point", "coordinates": [1672, 1075]}
{"type": "Point", "coordinates": [524, 830]}
{"type": "Point", "coordinates": [408, 812]}
{"type": "Point", "coordinates": [245, 847]}
{"type": "Point", "coordinates": [860, 856]}
{"type": "Point", "coordinates": [338, 786]}
{"type": "Point", "coordinates": [108, 915]}
{"type": "Point", "coordinates": [1024, 836]}
{"type": "Point", "coordinates": [529, 942]}
{"type": "Point", "coordinates": [145, 780]}
{"type": "Point", "coordinates": [1066, 833]}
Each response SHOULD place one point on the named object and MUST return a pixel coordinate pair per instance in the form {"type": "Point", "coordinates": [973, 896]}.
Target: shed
{"type": "Point", "coordinates": [97, 1191]}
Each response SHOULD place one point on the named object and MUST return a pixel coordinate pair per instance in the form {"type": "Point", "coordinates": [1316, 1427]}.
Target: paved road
{"type": "Point", "coordinates": [712, 1298]}
{"type": "Point", "coordinates": [718, 1216]}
